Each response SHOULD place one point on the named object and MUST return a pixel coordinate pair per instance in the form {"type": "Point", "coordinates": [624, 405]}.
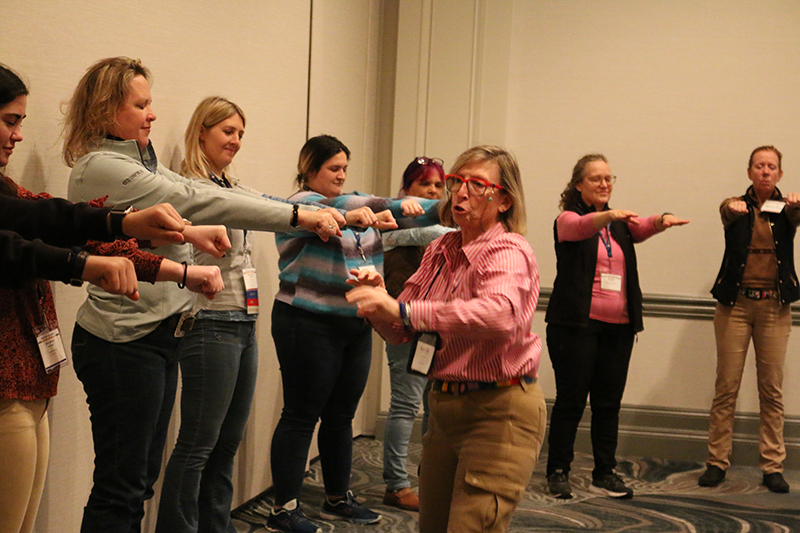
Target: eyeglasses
{"type": "Point", "coordinates": [430, 161]}
{"type": "Point", "coordinates": [597, 180]}
{"type": "Point", "coordinates": [475, 186]}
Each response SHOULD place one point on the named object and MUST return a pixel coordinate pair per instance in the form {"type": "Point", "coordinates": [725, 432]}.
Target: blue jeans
{"type": "Point", "coordinates": [130, 388]}
{"type": "Point", "coordinates": [324, 363]}
{"type": "Point", "coordinates": [587, 361]}
{"type": "Point", "coordinates": [407, 390]}
{"type": "Point", "coordinates": [219, 363]}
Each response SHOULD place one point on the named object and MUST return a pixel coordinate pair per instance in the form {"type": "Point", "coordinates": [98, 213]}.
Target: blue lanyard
{"type": "Point", "coordinates": [606, 241]}
{"type": "Point", "coordinates": [358, 245]}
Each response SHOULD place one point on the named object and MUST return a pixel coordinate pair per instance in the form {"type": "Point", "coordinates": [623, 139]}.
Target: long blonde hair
{"type": "Point", "coordinates": [513, 220]}
{"type": "Point", "coordinates": [210, 112]}
{"type": "Point", "coordinates": [92, 110]}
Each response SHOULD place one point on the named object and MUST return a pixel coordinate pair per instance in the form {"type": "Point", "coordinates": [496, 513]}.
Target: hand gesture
{"type": "Point", "coordinates": [737, 207]}
{"type": "Point", "coordinates": [374, 303]}
{"type": "Point", "coordinates": [792, 200]}
{"type": "Point", "coordinates": [366, 277]}
{"type": "Point", "coordinates": [385, 220]}
{"type": "Point", "coordinates": [212, 240]}
{"type": "Point", "coordinates": [324, 222]}
{"type": "Point", "coordinates": [668, 220]}
{"type": "Point", "coordinates": [205, 280]}
{"type": "Point", "coordinates": [363, 217]}
{"type": "Point", "coordinates": [160, 223]}
{"type": "Point", "coordinates": [411, 208]}
{"type": "Point", "coordinates": [623, 215]}
{"type": "Point", "coordinates": [114, 275]}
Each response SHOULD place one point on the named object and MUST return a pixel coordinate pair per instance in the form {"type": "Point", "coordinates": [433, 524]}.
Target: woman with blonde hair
{"type": "Point", "coordinates": [125, 353]}
{"type": "Point", "coordinates": [219, 356]}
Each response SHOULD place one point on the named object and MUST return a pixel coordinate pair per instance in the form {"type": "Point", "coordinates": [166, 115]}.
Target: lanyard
{"type": "Point", "coordinates": [606, 240]}
{"type": "Point", "coordinates": [358, 245]}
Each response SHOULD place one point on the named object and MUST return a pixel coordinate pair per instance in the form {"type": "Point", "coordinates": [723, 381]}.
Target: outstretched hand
{"type": "Point", "coordinates": [738, 207]}
{"type": "Point", "coordinates": [411, 208]}
{"type": "Point", "coordinates": [159, 223]}
{"type": "Point", "coordinates": [668, 221]}
{"type": "Point", "coordinates": [205, 280]}
{"type": "Point", "coordinates": [114, 275]}
{"type": "Point", "coordinates": [212, 240]}
{"type": "Point", "coordinates": [324, 222]}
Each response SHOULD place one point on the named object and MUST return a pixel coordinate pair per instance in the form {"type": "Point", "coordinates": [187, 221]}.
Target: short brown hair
{"type": "Point", "coordinates": [765, 148]}
{"type": "Point", "coordinates": [92, 110]}
{"type": "Point", "coordinates": [510, 179]}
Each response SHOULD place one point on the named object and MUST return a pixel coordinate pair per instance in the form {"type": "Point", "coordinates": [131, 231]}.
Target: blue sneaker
{"type": "Point", "coordinates": [290, 519]}
{"type": "Point", "coordinates": [348, 509]}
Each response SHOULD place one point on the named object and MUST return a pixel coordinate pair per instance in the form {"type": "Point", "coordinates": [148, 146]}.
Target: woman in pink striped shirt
{"type": "Point", "coordinates": [592, 317]}
{"type": "Point", "coordinates": [474, 296]}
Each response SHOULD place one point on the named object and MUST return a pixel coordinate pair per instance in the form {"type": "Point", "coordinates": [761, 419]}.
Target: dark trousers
{"type": "Point", "coordinates": [130, 388]}
{"type": "Point", "coordinates": [590, 361]}
{"type": "Point", "coordinates": [324, 362]}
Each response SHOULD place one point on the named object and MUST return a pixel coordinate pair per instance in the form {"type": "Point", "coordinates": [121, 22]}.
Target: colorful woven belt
{"type": "Point", "coordinates": [460, 387]}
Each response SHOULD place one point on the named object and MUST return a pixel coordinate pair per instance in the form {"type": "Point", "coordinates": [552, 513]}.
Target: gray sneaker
{"type": "Point", "coordinates": [612, 485]}
{"type": "Point", "coordinates": [558, 483]}
{"type": "Point", "coordinates": [290, 519]}
{"type": "Point", "coordinates": [348, 508]}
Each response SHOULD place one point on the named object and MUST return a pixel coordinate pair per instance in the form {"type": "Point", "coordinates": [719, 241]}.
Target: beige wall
{"type": "Point", "coordinates": [675, 93]}
{"type": "Point", "coordinates": [253, 52]}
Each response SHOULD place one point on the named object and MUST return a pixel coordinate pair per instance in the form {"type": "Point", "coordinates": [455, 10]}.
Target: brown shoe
{"type": "Point", "coordinates": [403, 498]}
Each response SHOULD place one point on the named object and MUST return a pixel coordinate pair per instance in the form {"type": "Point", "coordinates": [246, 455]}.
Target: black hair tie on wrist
{"type": "Point", "coordinates": [182, 284]}
{"type": "Point", "coordinates": [295, 215]}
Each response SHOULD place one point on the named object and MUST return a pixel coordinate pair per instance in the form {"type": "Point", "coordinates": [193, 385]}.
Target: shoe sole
{"type": "Point", "coordinates": [610, 493]}
{"type": "Point", "coordinates": [327, 516]}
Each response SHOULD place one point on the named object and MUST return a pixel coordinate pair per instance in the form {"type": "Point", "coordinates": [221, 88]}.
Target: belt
{"type": "Point", "coordinates": [460, 387]}
{"type": "Point", "coordinates": [759, 294]}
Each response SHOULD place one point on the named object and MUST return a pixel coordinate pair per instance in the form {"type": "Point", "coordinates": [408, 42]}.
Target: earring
{"type": "Point", "coordinates": [490, 197]}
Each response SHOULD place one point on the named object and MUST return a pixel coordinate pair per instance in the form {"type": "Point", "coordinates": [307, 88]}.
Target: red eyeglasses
{"type": "Point", "coordinates": [475, 186]}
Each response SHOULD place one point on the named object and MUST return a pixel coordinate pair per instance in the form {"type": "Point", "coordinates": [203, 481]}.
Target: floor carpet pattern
{"type": "Point", "coordinates": [667, 499]}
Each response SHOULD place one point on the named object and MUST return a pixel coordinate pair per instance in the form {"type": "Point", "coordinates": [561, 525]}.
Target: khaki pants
{"type": "Point", "coordinates": [24, 451]}
{"type": "Point", "coordinates": [768, 323]}
{"type": "Point", "coordinates": [478, 456]}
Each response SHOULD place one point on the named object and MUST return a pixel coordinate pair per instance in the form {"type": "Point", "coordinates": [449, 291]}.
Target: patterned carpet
{"type": "Point", "coordinates": [667, 499]}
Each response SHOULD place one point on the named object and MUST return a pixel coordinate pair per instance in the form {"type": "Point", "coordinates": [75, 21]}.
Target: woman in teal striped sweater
{"type": "Point", "coordinates": [324, 349]}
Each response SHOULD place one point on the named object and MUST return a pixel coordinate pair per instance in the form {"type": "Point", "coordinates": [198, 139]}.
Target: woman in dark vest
{"type": "Point", "coordinates": [593, 315]}
{"type": "Point", "coordinates": [754, 288]}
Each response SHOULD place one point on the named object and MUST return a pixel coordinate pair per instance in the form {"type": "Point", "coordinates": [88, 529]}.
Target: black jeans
{"type": "Point", "coordinates": [130, 388]}
{"type": "Point", "coordinates": [591, 361]}
{"type": "Point", "coordinates": [324, 363]}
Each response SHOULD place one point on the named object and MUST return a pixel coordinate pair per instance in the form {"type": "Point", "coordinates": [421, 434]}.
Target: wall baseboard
{"type": "Point", "coordinates": [674, 434]}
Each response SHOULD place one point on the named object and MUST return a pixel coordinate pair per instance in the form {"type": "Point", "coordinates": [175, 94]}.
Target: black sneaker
{"type": "Point", "coordinates": [290, 519]}
{"type": "Point", "coordinates": [612, 485]}
{"type": "Point", "coordinates": [348, 508]}
{"type": "Point", "coordinates": [558, 483]}
{"type": "Point", "coordinates": [712, 477]}
{"type": "Point", "coordinates": [775, 482]}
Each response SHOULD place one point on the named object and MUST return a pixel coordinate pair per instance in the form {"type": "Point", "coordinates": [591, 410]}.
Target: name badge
{"type": "Point", "coordinates": [251, 290]}
{"type": "Point", "coordinates": [610, 282]}
{"type": "Point", "coordinates": [51, 347]}
{"type": "Point", "coordinates": [368, 268]}
{"type": "Point", "coordinates": [773, 206]}
{"type": "Point", "coordinates": [422, 354]}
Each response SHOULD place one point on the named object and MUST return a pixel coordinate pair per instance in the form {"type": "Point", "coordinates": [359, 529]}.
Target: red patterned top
{"type": "Point", "coordinates": [22, 375]}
